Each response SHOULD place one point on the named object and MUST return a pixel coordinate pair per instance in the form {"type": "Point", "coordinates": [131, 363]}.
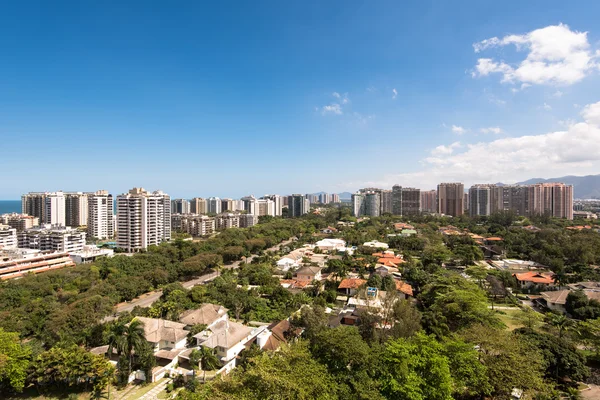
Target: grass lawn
{"type": "Point", "coordinates": [510, 318]}
{"type": "Point", "coordinates": [141, 390]}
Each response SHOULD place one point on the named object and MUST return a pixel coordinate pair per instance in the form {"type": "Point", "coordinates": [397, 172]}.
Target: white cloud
{"type": "Point", "coordinates": [492, 129]}
{"type": "Point", "coordinates": [555, 56]}
{"type": "Point", "coordinates": [336, 107]}
{"type": "Point", "coordinates": [573, 151]}
{"type": "Point", "coordinates": [395, 94]}
{"type": "Point", "coordinates": [333, 108]}
{"type": "Point", "coordinates": [459, 130]}
{"type": "Point", "coordinates": [558, 94]}
{"type": "Point", "coordinates": [546, 107]}
{"type": "Point", "coordinates": [445, 150]}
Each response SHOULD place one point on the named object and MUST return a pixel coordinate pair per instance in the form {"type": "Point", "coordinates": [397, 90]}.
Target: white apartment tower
{"type": "Point", "coordinates": [143, 219]}
{"type": "Point", "coordinates": [100, 215]}
{"type": "Point", "coordinates": [277, 200]}
{"type": "Point", "coordinates": [54, 209]}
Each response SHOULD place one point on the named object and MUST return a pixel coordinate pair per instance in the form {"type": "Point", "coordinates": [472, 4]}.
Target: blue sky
{"type": "Point", "coordinates": [230, 99]}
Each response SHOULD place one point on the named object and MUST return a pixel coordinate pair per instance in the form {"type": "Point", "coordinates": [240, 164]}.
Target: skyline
{"type": "Point", "coordinates": [203, 100]}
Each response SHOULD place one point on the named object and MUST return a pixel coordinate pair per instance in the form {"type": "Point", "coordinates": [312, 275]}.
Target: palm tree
{"type": "Point", "coordinates": [559, 321]}
{"type": "Point", "coordinates": [115, 338]}
{"type": "Point", "coordinates": [135, 339]}
{"type": "Point", "coordinates": [207, 359]}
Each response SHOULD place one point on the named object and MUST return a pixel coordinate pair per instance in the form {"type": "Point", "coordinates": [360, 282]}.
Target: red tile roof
{"type": "Point", "coordinates": [404, 288]}
{"type": "Point", "coordinates": [351, 283]}
{"type": "Point", "coordinates": [535, 277]}
{"type": "Point", "coordinates": [494, 239]}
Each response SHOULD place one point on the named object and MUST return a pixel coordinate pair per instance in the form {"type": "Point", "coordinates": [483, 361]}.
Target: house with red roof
{"type": "Point", "coordinates": [535, 279]}
{"type": "Point", "coordinates": [349, 286]}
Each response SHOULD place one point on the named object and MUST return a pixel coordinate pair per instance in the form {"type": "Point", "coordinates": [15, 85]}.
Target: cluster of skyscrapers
{"type": "Point", "coordinates": [553, 199]}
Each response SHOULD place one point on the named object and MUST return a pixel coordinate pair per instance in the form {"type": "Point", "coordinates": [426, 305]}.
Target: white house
{"type": "Point", "coordinates": [376, 244]}
{"type": "Point", "coordinates": [330, 244]}
{"type": "Point", "coordinates": [286, 263]}
{"type": "Point", "coordinates": [208, 314]}
{"type": "Point", "coordinates": [228, 338]}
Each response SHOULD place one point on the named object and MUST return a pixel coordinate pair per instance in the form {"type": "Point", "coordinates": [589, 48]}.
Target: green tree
{"type": "Point", "coordinates": [468, 373]}
{"type": "Point", "coordinates": [114, 336]}
{"type": "Point", "coordinates": [14, 361]}
{"type": "Point", "coordinates": [416, 369]}
{"type": "Point", "coordinates": [510, 361]}
{"type": "Point", "coordinates": [134, 341]}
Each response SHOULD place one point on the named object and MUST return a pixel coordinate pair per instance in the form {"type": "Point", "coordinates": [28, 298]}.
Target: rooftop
{"type": "Point", "coordinates": [206, 314]}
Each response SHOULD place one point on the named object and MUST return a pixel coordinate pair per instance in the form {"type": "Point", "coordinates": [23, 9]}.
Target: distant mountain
{"type": "Point", "coordinates": [584, 187]}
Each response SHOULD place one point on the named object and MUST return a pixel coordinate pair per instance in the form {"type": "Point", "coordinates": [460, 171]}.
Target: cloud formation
{"type": "Point", "coordinates": [576, 150]}
{"type": "Point", "coordinates": [556, 55]}
{"type": "Point", "coordinates": [492, 129]}
{"type": "Point", "coordinates": [394, 94]}
{"type": "Point", "coordinates": [335, 108]}
{"type": "Point", "coordinates": [459, 130]}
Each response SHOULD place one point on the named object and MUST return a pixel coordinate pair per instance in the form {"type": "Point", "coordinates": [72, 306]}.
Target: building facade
{"type": "Point", "coordinates": [143, 219]}
{"type": "Point", "coordinates": [429, 201]}
{"type": "Point", "coordinates": [180, 206]}
{"type": "Point", "coordinates": [213, 205]}
{"type": "Point", "coordinates": [8, 237]}
{"type": "Point", "coordinates": [198, 206]}
{"type": "Point", "coordinates": [451, 197]}
{"type": "Point", "coordinates": [482, 200]}
{"type": "Point", "coordinates": [554, 199]}
{"type": "Point", "coordinates": [76, 209]}
{"type": "Point", "coordinates": [101, 215]}
{"type": "Point", "coordinates": [298, 205]}
{"type": "Point", "coordinates": [52, 238]}
{"type": "Point", "coordinates": [19, 221]}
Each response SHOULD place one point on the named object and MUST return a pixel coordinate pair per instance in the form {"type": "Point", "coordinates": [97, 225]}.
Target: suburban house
{"type": "Point", "coordinates": [329, 230]}
{"type": "Point", "coordinates": [350, 286]}
{"type": "Point", "coordinates": [208, 314]}
{"type": "Point", "coordinates": [401, 226]}
{"type": "Point", "coordinates": [383, 270]}
{"type": "Point", "coordinates": [389, 259]}
{"type": "Point", "coordinates": [228, 339]}
{"type": "Point", "coordinates": [309, 274]}
{"type": "Point", "coordinates": [404, 289]}
{"type": "Point", "coordinates": [408, 232]}
{"type": "Point", "coordinates": [555, 300]}
{"type": "Point", "coordinates": [534, 279]}
{"type": "Point", "coordinates": [276, 334]}
{"type": "Point", "coordinates": [375, 244]}
{"type": "Point", "coordinates": [163, 334]}
{"type": "Point", "coordinates": [286, 263]}
{"type": "Point", "coordinates": [330, 244]}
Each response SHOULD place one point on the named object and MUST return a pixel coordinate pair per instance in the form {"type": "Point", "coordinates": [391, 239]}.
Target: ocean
{"type": "Point", "coordinates": [10, 206]}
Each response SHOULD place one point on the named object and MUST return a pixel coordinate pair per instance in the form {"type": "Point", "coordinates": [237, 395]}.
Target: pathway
{"type": "Point", "coordinates": [153, 394]}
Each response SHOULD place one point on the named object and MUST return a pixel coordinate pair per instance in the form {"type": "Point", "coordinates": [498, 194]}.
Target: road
{"type": "Point", "coordinates": [147, 299]}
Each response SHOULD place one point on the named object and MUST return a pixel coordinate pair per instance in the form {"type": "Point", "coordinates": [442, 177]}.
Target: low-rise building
{"type": "Point", "coordinates": [52, 238]}
{"type": "Point", "coordinates": [19, 221]}
{"type": "Point", "coordinates": [208, 314]}
{"type": "Point", "coordinates": [377, 245]}
{"type": "Point", "coordinates": [534, 279]}
{"type": "Point", "coordinates": [15, 263]}
{"type": "Point", "coordinates": [308, 274]}
{"type": "Point", "coordinates": [349, 286]}
{"type": "Point", "coordinates": [330, 244]}
{"type": "Point", "coordinates": [8, 237]}
{"type": "Point", "coordinates": [89, 254]}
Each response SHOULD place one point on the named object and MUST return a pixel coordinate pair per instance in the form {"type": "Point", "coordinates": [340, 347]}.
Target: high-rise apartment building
{"type": "Point", "coordinates": [335, 198]}
{"type": "Point", "coordinates": [366, 202]}
{"type": "Point", "coordinates": [554, 199]}
{"type": "Point", "coordinates": [198, 206]}
{"type": "Point", "coordinates": [250, 204]}
{"type": "Point", "coordinates": [386, 201]}
{"type": "Point", "coordinates": [33, 203]}
{"type": "Point", "coordinates": [101, 215]}
{"type": "Point", "coordinates": [482, 200]}
{"type": "Point", "coordinates": [298, 205]}
{"type": "Point", "coordinates": [55, 209]}
{"type": "Point", "coordinates": [451, 197]}
{"type": "Point", "coordinates": [180, 206]}
{"type": "Point", "coordinates": [324, 198]}
{"type": "Point", "coordinates": [248, 220]}
{"type": "Point", "coordinates": [429, 201]}
{"type": "Point", "coordinates": [228, 205]}
{"type": "Point", "coordinates": [265, 207]}
{"type": "Point", "coordinates": [514, 198]}
{"type": "Point", "coordinates": [76, 209]}
{"type": "Point", "coordinates": [213, 205]}
{"type": "Point", "coordinates": [143, 219]}
{"type": "Point", "coordinates": [405, 201]}
{"type": "Point", "coordinates": [277, 201]}
{"type": "Point", "coordinates": [19, 221]}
